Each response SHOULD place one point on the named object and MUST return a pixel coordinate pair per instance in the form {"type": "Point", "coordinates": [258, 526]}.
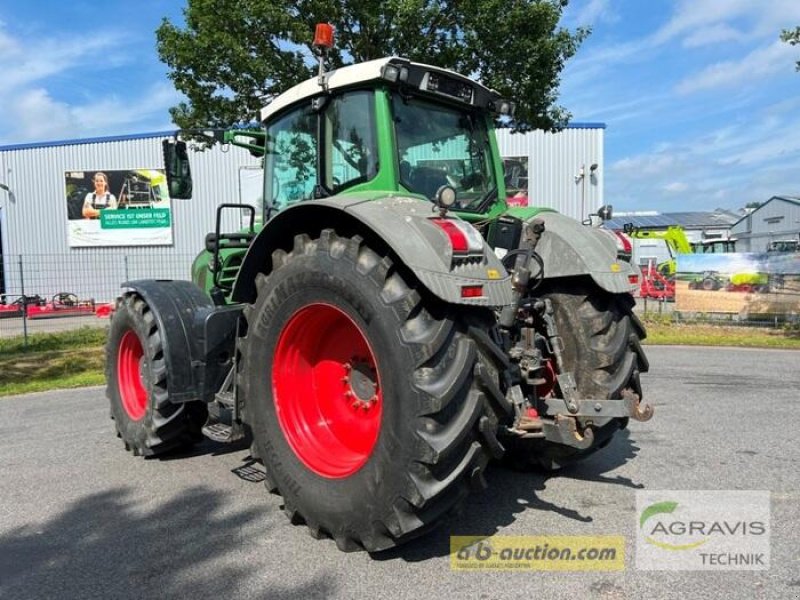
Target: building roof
{"type": "Point", "coordinates": [687, 220]}
{"type": "Point", "coordinates": [789, 199]}
{"type": "Point", "coordinates": [92, 140]}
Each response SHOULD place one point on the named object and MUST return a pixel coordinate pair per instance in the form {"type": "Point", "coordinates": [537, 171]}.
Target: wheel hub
{"type": "Point", "coordinates": [361, 385]}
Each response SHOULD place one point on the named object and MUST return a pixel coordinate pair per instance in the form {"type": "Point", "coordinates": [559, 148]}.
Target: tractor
{"type": "Point", "coordinates": [389, 325]}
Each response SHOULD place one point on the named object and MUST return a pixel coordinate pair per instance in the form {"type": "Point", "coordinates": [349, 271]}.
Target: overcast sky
{"type": "Point", "coordinates": [700, 98]}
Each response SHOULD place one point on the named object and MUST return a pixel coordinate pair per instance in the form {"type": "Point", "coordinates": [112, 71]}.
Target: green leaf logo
{"type": "Point", "coordinates": [660, 508]}
{"type": "Point", "coordinates": [657, 509]}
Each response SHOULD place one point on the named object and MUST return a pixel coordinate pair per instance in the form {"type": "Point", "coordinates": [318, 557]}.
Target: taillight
{"type": "Point", "coordinates": [471, 291]}
{"type": "Point", "coordinates": [464, 238]}
{"type": "Point", "coordinates": [624, 245]}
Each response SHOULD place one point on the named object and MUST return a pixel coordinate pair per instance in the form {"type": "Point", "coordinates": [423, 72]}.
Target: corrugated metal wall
{"type": "Point", "coordinates": [35, 222]}
{"type": "Point", "coordinates": [554, 160]}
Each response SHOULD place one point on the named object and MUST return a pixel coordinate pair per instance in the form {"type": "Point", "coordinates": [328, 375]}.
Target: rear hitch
{"type": "Point", "coordinates": [628, 406]}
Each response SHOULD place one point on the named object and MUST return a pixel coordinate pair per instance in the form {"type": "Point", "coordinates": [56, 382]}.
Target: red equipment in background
{"type": "Point", "coordinates": [655, 285]}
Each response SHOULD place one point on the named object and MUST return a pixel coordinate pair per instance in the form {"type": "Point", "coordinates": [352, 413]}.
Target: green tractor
{"type": "Point", "coordinates": [389, 324]}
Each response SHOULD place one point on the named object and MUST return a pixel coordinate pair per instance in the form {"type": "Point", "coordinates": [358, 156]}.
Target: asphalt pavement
{"type": "Point", "coordinates": [81, 518]}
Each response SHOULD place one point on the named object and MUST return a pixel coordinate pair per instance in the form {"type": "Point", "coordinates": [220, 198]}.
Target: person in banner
{"type": "Point", "coordinates": [99, 199]}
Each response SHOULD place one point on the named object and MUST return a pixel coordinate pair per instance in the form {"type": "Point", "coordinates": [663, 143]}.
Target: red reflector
{"type": "Point", "coordinates": [458, 240]}
{"type": "Point", "coordinates": [323, 35]}
{"type": "Point", "coordinates": [471, 291]}
{"type": "Point", "coordinates": [624, 242]}
{"type": "Point", "coordinates": [633, 279]}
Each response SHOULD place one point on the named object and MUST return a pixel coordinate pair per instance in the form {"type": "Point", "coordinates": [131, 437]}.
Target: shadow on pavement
{"type": "Point", "coordinates": [109, 546]}
{"type": "Point", "coordinates": [511, 492]}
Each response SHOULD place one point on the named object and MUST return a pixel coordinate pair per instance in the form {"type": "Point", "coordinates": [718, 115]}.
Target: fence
{"type": "Point", "coordinates": [664, 311]}
{"type": "Point", "coordinates": [57, 292]}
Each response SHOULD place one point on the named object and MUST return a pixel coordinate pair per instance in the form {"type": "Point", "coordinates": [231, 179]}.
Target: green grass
{"type": "Point", "coordinates": [73, 359]}
{"type": "Point", "coordinates": [662, 331]}
{"type": "Point", "coordinates": [52, 361]}
{"type": "Point", "coordinates": [63, 340]}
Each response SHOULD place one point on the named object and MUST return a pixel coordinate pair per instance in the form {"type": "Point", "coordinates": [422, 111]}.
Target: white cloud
{"type": "Point", "coordinates": [676, 187]}
{"type": "Point", "coordinates": [715, 34]}
{"type": "Point", "coordinates": [36, 116]}
{"type": "Point", "coordinates": [595, 11]}
{"type": "Point", "coordinates": [33, 115]}
{"type": "Point", "coordinates": [726, 167]}
{"type": "Point", "coordinates": [759, 64]}
{"type": "Point", "coordinates": [759, 18]}
{"type": "Point", "coordinates": [50, 88]}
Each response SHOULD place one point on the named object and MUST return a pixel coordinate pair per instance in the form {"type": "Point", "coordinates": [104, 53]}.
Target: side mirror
{"type": "Point", "coordinates": [605, 212]}
{"type": "Point", "coordinates": [176, 165]}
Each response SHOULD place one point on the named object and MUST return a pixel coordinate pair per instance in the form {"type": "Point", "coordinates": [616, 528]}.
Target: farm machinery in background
{"type": "Point", "coordinates": [390, 324]}
{"type": "Point", "coordinates": [658, 280]}
{"type": "Point", "coordinates": [35, 306]}
{"type": "Point", "coordinates": [63, 304]}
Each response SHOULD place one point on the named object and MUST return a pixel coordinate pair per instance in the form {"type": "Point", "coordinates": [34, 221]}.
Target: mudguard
{"type": "Point", "coordinates": [403, 225]}
{"type": "Point", "coordinates": [198, 337]}
{"type": "Point", "coordinates": [569, 248]}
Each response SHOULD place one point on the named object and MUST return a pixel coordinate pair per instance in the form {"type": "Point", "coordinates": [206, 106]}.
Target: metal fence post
{"type": "Point", "coordinates": [24, 304]}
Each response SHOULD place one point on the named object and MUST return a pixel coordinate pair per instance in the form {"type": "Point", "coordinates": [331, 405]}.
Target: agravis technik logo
{"type": "Point", "coordinates": [703, 530]}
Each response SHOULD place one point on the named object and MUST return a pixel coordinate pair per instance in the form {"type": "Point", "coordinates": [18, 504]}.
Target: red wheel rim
{"type": "Point", "coordinates": [129, 375]}
{"type": "Point", "coordinates": [327, 392]}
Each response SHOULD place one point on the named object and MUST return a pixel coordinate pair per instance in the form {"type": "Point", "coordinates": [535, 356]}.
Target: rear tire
{"type": "Point", "coordinates": [148, 423]}
{"type": "Point", "coordinates": [601, 347]}
{"type": "Point", "coordinates": [369, 477]}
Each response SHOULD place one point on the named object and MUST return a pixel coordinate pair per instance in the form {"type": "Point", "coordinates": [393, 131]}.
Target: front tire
{"type": "Point", "coordinates": [148, 423]}
{"type": "Point", "coordinates": [360, 392]}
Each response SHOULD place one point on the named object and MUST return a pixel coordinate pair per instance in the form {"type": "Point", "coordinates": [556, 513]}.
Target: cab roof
{"type": "Point", "coordinates": [352, 75]}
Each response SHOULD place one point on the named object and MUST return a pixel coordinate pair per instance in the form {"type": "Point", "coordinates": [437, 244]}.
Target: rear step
{"type": "Point", "coordinates": [221, 425]}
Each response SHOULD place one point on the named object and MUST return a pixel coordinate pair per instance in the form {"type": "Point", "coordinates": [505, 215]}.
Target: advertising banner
{"type": "Point", "coordinates": [118, 208]}
{"type": "Point", "coordinates": [745, 283]}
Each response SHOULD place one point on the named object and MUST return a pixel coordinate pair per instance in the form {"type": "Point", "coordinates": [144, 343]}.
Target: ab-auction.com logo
{"type": "Point", "coordinates": [703, 530]}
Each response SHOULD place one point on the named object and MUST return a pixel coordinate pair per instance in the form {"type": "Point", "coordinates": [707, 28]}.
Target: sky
{"type": "Point", "coordinates": [700, 98]}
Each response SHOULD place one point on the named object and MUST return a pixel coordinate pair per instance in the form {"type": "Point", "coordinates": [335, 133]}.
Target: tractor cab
{"type": "Point", "coordinates": [387, 125]}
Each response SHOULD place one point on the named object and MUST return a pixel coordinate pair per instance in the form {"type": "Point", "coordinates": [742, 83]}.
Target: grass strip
{"type": "Point", "coordinates": [696, 334]}
{"type": "Point", "coordinates": [52, 361]}
{"type": "Point", "coordinates": [62, 340]}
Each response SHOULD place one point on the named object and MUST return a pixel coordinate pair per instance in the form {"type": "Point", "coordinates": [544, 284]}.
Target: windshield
{"type": "Point", "coordinates": [438, 145]}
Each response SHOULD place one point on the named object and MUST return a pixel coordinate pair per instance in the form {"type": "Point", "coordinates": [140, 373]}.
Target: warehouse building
{"type": "Point", "coordinates": [52, 242]}
{"type": "Point", "coordinates": [775, 223]}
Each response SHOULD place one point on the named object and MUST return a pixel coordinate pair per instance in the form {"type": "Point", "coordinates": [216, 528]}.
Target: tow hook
{"type": "Point", "coordinates": [564, 430]}
{"type": "Point", "coordinates": [639, 410]}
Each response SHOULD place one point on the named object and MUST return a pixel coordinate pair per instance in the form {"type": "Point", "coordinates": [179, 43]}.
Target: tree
{"type": "Point", "coordinates": [792, 36]}
{"type": "Point", "coordinates": [232, 53]}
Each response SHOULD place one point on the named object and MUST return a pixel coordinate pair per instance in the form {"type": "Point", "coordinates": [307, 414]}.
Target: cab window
{"type": "Point", "coordinates": [351, 155]}
{"type": "Point", "coordinates": [290, 162]}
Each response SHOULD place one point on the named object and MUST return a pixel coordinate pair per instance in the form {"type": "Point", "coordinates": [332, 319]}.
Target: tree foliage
{"type": "Point", "coordinates": [792, 36]}
{"type": "Point", "coordinates": [231, 53]}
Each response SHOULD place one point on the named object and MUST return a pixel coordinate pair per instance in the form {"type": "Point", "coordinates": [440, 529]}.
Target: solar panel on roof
{"type": "Point", "coordinates": [682, 219]}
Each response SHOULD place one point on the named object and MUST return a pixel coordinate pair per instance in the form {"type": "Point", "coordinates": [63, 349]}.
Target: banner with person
{"type": "Point", "coordinates": [108, 207]}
